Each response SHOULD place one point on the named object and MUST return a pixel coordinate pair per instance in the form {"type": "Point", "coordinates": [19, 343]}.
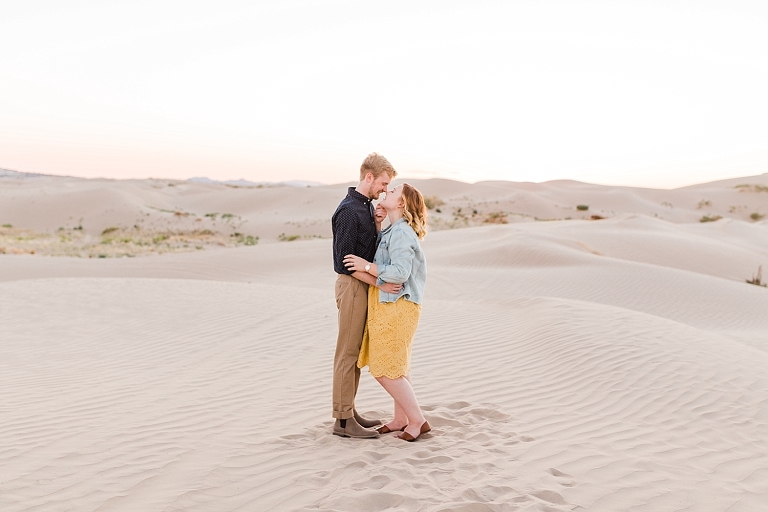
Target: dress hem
{"type": "Point", "coordinates": [388, 376]}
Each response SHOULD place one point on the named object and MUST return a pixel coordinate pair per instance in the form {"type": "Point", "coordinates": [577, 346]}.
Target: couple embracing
{"type": "Point", "coordinates": [379, 288]}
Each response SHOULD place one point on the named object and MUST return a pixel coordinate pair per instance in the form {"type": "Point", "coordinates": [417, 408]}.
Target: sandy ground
{"type": "Point", "coordinates": [611, 365]}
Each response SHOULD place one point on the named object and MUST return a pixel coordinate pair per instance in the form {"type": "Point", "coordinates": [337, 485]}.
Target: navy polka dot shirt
{"type": "Point", "coordinates": [354, 230]}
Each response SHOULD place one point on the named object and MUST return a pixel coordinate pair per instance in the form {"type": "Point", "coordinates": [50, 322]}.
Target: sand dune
{"type": "Point", "coordinates": [567, 365]}
{"type": "Point", "coordinates": [48, 203]}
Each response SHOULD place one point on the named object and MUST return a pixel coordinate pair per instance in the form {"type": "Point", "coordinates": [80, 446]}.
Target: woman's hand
{"type": "Point", "coordinates": [354, 263]}
{"type": "Point", "coordinates": [379, 214]}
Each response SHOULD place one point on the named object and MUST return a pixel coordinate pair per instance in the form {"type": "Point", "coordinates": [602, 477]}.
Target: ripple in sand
{"type": "Point", "coordinates": [467, 462]}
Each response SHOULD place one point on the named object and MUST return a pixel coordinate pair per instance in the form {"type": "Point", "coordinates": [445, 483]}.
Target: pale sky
{"type": "Point", "coordinates": [643, 93]}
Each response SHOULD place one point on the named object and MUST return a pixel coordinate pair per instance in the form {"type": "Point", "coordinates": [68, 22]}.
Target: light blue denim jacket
{"type": "Point", "coordinates": [399, 259]}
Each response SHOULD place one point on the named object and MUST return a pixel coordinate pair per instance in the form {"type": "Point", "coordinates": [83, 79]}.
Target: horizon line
{"type": "Point", "coordinates": [310, 183]}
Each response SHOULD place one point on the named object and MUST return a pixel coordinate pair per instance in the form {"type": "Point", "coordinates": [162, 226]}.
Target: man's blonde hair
{"type": "Point", "coordinates": [376, 164]}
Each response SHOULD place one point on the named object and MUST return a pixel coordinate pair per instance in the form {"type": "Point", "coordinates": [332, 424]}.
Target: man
{"type": "Point", "coordinates": [355, 228]}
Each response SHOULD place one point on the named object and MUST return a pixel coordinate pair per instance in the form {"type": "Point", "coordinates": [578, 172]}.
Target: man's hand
{"type": "Point", "coordinates": [391, 287]}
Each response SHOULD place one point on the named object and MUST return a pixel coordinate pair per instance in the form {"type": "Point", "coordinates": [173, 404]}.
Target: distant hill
{"type": "Point", "coordinates": [246, 183]}
{"type": "Point", "coordinates": [5, 173]}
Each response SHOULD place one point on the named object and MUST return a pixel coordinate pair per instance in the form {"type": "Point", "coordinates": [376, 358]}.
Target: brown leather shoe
{"type": "Point", "coordinates": [405, 436]}
{"type": "Point", "coordinates": [365, 422]}
{"type": "Point", "coordinates": [353, 429]}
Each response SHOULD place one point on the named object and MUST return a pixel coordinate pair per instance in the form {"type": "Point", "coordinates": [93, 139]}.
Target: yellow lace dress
{"type": "Point", "coordinates": [389, 331]}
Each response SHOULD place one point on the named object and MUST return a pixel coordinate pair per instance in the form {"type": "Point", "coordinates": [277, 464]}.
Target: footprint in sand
{"type": "Point", "coordinates": [562, 478]}
{"type": "Point", "coordinates": [467, 462]}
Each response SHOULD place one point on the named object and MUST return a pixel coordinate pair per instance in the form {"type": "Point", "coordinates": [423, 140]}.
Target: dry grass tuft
{"type": "Point", "coordinates": [496, 218]}
{"type": "Point", "coordinates": [707, 218]}
{"type": "Point", "coordinates": [758, 278]}
{"type": "Point", "coordinates": [433, 202]}
{"type": "Point", "coordinates": [244, 239]}
{"type": "Point", "coordinates": [752, 188]}
{"type": "Point", "coordinates": [115, 242]}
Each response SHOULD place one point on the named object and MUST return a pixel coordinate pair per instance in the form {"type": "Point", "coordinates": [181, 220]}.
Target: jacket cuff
{"type": "Point", "coordinates": [379, 280]}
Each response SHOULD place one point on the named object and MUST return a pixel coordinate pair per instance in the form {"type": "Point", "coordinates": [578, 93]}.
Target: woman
{"type": "Point", "coordinates": [393, 317]}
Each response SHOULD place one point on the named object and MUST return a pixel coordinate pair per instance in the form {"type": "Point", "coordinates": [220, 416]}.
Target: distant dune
{"type": "Point", "coordinates": [615, 364]}
{"type": "Point", "coordinates": [276, 212]}
{"type": "Point", "coordinates": [246, 183]}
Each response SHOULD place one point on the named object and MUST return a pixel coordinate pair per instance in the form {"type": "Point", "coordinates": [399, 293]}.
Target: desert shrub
{"type": "Point", "coordinates": [707, 218]}
{"type": "Point", "coordinates": [287, 238]}
{"type": "Point", "coordinates": [582, 207]}
{"type": "Point", "coordinates": [211, 215]}
{"type": "Point", "coordinates": [496, 218]}
{"type": "Point", "coordinates": [7, 226]}
{"type": "Point", "coordinates": [756, 216]}
{"type": "Point", "coordinates": [433, 202]}
{"type": "Point", "coordinates": [109, 230]}
{"type": "Point", "coordinates": [119, 242]}
{"type": "Point", "coordinates": [752, 188]}
{"type": "Point", "coordinates": [758, 278]}
{"type": "Point", "coordinates": [227, 215]}
{"type": "Point", "coordinates": [703, 203]}
{"type": "Point", "coordinates": [597, 217]}
{"type": "Point", "coordinates": [245, 239]}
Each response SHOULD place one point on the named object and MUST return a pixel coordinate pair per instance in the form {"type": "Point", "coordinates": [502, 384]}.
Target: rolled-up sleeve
{"type": "Point", "coordinates": [401, 253]}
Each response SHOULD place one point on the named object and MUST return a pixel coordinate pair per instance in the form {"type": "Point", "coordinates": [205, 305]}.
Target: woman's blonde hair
{"type": "Point", "coordinates": [414, 210]}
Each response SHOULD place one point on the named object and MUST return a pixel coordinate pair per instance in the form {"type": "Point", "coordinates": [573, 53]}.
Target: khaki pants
{"type": "Point", "coordinates": [352, 302]}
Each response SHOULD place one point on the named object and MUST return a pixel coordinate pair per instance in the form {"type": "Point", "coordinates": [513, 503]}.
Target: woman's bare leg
{"type": "Point", "coordinates": [401, 391]}
{"type": "Point", "coordinates": [400, 419]}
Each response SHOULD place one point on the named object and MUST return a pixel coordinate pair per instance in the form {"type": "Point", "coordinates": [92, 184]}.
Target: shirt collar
{"type": "Point", "coordinates": [351, 192]}
{"type": "Point", "coordinates": [388, 228]}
